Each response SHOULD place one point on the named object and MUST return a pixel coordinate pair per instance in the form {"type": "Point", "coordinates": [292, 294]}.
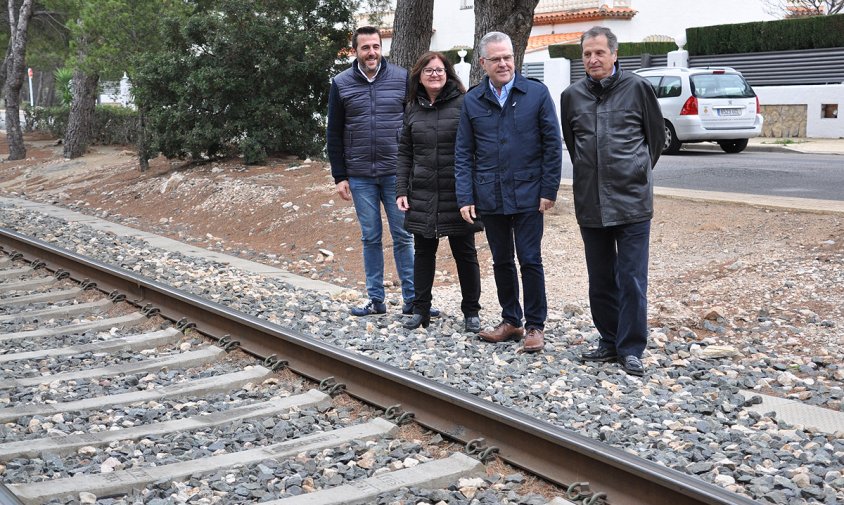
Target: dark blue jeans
{"type": "Point", "coordinates": [617, 263]}
{"type": "Point", "coordinates": [369, 194]}
{"type": "Point", "coordinates": [520, 234]}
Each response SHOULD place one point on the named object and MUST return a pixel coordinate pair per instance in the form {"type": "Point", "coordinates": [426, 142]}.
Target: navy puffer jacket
{"type": "Point", "coordinates": [425, 171]}
{"type": "Point", "coordinates": [365, 121]}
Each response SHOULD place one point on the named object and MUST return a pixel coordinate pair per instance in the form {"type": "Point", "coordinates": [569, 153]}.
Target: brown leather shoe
{"type": "Point", "coordinates": [504, 331]}
{"type": "Point", "coordinates": [535, 340]}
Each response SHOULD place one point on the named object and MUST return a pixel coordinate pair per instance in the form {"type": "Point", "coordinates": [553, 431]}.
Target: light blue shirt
{"type": "Point", "coordinates": [505, 90]}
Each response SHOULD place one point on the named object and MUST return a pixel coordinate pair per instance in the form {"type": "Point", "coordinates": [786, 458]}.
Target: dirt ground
{"type": "Point", "coordinates": [746, 262]}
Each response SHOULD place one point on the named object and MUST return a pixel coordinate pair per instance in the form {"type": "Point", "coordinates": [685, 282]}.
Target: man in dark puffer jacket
{"type": "Point", "coordinates": [365, 111]}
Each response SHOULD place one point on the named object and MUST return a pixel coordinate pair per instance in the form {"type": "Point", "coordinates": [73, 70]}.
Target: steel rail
{"type": "Point", "coordinates": [549, 451]}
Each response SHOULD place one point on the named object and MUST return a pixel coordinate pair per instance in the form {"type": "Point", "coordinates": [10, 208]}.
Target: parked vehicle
{"type": "Point", "coordinates": [713, 104]}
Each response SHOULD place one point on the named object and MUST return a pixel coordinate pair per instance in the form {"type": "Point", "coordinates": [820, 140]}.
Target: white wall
{"type": "Point", "coordinates": [454, 26]}
{"type": "Point", "coordinates": [665, 17]}
{"type": "Point", "coordinates": [813, 97]}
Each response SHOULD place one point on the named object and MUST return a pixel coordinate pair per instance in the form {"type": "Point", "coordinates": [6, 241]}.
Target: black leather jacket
{"type": "Point", "coordinates": [614, 134]}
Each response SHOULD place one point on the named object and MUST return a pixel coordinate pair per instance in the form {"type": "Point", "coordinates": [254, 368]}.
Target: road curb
{"type": "Point", "coordinates": [756, 148]}
{"type": "Point", "coordinates": [775, 202]}
{"type": "Point", "coordinates": [703, 146]}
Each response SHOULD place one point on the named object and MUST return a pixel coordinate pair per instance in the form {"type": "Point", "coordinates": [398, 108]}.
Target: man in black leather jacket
{"type": "Point", "coordinates": [614, 133]}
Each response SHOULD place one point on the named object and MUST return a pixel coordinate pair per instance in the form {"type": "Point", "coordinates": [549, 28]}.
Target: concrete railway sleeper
{"type": "Point", "coordinates": [116, 406]}
{"type": "Point", "coordinates": [590, 472]}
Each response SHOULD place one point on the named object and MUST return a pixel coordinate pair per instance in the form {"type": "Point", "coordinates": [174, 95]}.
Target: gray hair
{"type": "Point", "coordinates": [492, 37]}
{"type": "Point", "coordinates": [597, 31]}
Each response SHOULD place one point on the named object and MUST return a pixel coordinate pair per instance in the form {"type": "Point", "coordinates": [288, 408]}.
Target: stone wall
{"type": "Point", "coordinates": [784, 121]}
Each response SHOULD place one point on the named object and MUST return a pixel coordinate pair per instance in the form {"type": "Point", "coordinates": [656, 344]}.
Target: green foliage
{"type": "Point", "coordinates": [573, 51]}
{"type": "Point", "coordinates": [252, 150]}
{"type": "Point", "coordinates": [110, 36]}
{"type": "Point", "coordinates": [112, 125]}
{"type": "Point", "coordinates": [236, 70]}
{"type": "Point", "coordinates": [815, 32]}
{"type": "Point", "coordinates": [63, 77]}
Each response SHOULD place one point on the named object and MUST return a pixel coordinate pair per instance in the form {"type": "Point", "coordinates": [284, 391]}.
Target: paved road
{"type": "Point", "coordinates": [795, 175]}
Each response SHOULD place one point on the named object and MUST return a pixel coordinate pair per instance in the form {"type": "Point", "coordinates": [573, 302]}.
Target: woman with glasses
{"type": "Point", "coordinates": [425, 186]}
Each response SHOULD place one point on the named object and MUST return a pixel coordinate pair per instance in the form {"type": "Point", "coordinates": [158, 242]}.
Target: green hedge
{"type": "Point", "coordinates": [815, 32]}
{"type": "Point", "coordinates": [112, 125]}
{"type": "Point", "coordinates": [573, 51]}
{"type": "Point", "coordinates": [455, 58]}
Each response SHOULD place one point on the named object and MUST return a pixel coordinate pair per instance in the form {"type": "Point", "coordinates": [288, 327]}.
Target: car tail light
{"type": "Point", "coordinates": [718, 72]}
{"type": "Point", "coordinates": [690, 107]}
{"type": "Point", "coordinates": [758, 107]}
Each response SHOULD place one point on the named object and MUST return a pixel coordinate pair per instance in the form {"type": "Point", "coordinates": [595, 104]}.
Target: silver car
{"type": "Point", "coordinates": [713, 104]}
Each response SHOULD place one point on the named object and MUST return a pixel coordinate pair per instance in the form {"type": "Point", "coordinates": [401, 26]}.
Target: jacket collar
{"type": "Point", "coordinates": [605, 84]}
{"type": "Point", "coordinates": [519, 83]}
{"type": "Point", "coordinates": [448, 92]}
{"type": "Point", "coordinates": [359, 75]}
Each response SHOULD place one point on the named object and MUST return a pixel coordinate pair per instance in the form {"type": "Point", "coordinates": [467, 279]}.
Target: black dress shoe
{"type": "Point", "coordinates": [632, 365]}
{"type": "Point", "coordinates": [602, 353]}
{"type": "Point", "coordinates": [407, 309]}
{"type": "Point", "coordinates": [473, 324]}
{"type": "Point", "coordinates": [418, 320]}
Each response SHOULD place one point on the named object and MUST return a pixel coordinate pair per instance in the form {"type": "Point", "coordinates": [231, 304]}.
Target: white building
{"type": "Point", "coordinates": [564, 21]}
{"type": "Point", "coordinates": [560, 21]}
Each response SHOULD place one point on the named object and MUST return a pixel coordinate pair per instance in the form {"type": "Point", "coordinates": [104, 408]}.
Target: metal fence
{"type": "Point", "coordinates": [809, 66]}
{"type": "Point", "coordinates": [812, 66]}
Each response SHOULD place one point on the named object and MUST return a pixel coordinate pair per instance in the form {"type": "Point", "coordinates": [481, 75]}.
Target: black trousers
{"type": "Point", "coordinates": [617, 263]}
{"type": "Point", "coordinates": [468, 271]}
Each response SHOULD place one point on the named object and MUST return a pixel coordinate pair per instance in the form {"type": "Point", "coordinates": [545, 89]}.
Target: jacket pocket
{"type": "Point", "coordinates": [482, 119]}
{"type": "Point", "coordinates": [527, 189]}
{"type": "Point", "coordinates": [485, 190]}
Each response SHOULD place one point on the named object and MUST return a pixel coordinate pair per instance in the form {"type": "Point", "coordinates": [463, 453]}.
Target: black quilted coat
{"type": "Point", "coordinates": [425, 171]}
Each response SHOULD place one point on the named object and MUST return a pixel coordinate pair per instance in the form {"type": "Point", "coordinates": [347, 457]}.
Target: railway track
{"type": "Point", "coordinates": [72, 329]}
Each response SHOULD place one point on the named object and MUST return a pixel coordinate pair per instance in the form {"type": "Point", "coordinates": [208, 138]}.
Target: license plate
{"type": "Point", "coordinates": [729, 112]}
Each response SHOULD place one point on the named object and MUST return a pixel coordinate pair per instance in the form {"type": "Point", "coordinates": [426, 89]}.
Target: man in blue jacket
{"type": "Point", "coordinates": [365, 113]}
{"type": "Point", "coordinates": [508, 162]}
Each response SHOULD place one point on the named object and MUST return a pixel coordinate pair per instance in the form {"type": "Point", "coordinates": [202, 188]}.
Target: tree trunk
{"type": "Point", "coordinates": [143, 142]}
{"type": "Point", "coordinates": [81, 120]}
{"type": "Point", "coordinates": [46, 94]}
{"type": "Point", "coordinates": [4, 68]}
{"type": "Point", "coordinates": [513, 17]}
{"type": "Point", "coordinates": [16, 68]}
{"type": "Point", "coordinates": [412, 30]}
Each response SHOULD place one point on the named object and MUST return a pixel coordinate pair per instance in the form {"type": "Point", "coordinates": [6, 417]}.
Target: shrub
{"type": "Point", "coordinates": [454, 58]}
{"type": "Point", "coordinates": [253, 152]}
{"type": "Point", "coordinates": [573, 51]}
{"type": "Point", "coordinates": [112, 125]}
{"type": "Point", "coordinates": [815, 32]}
{"type": "Point", "coordinates": [63, 76]}
{"type": "Point", "coordinates": [244, 76]}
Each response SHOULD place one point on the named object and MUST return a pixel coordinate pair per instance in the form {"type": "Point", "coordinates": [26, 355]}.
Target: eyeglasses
{"type": "Point", "coordinates": [432, 71]}
{"type": "Point", "coordinates": [498, 59]}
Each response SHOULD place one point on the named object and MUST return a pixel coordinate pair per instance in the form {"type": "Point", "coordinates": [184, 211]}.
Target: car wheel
{"type": "Point", "coordinates": [733, 146]}
{"type": "Point", "coordinates": [672, 143]}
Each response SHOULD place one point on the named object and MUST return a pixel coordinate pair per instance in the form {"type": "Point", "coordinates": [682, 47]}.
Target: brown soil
{"type": "Point", "coordinates": [744, 260]}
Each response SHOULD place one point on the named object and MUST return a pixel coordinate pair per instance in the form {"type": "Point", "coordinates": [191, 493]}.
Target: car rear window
{"type": "Point", "coordinates": [720, 86]}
